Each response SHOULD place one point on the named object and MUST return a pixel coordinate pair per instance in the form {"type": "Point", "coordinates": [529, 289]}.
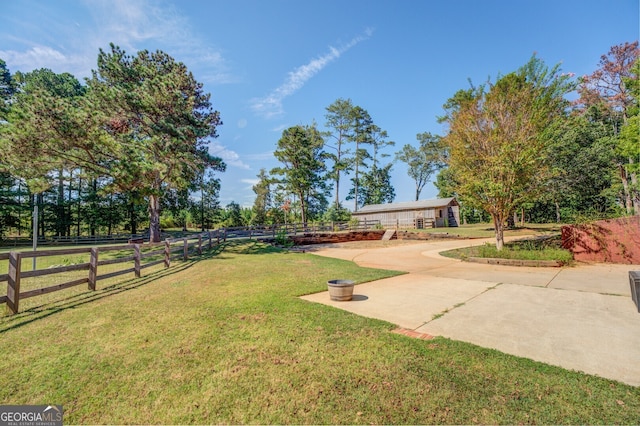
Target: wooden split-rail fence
{"type": "Point", "coordinates": [165, 250]}
{"type": "Point", "coordinates": [168, 250]}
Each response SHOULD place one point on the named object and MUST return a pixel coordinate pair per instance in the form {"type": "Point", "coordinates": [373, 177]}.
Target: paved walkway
{"type": "Point", "coordinates": [580, 318]}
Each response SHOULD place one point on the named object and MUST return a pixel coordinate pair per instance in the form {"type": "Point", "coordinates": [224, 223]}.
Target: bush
{"type": "Point", "coordinates": [337, 214]}
{"type": "Point", "coordinates": [167, 221]}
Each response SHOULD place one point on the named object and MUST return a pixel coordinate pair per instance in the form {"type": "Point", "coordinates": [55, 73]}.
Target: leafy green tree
{"type": "Point", "coordinates": [144, 123]}
{"type": "Point", "coordinates": [497, 150]}
{"type": "Point", "coordinates": [374, 185]}
{"type": "Point", "coordinates": [608, 94]}
{"type": "Point", "coordinates": [336, 213]}
{"type": "Point", "coordinates": [423, 161]}
{"type": "Point", "coordinates": [263, 201]}
{"type": "Point", "coordinates": [6, 89]}
{"type": "Point", "coordinates": [233, 215]}
{"type": "Point", "coordinates": [43, 118]}
{"type": "Point", "coordinates": [629, 139]}
{"type": "Point", "coordinates": [300, 150]}
{"type": "Point", "coordinates": [580, 156]}
{"type": "Point", "coordinates": [210, 199]}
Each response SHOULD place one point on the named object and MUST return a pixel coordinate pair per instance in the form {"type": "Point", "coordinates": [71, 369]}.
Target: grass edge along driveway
{"type": "Point", "coordinates": [225, 339]}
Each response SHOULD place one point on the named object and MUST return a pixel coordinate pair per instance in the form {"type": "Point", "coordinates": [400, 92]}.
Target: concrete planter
{"type": "Point", "coordinates": [340, 290]}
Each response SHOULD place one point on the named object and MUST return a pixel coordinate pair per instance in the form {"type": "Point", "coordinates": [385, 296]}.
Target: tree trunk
{"type": "Point", "coordinates": [635, 189]}
{"type": "Point", "coordinates": [110, 225]}
{"type": "Point", "coordinates": [79, 210]}
{"type": "Point", "coordinates": [19, 207]}
{"type": "Point", "coordinates": [417, 192]}
{"type": "Point", "coordinates": [154, 219]}
{"type": "Point", "coordinates": [69, 213]}
{"type": "Point", "coordinates": [60, 206]}
{"type": "Point", "coordinates": [94, 207]}
{"type": "Point", "coordinates": [41, 214]}
{"type": "Point", "coordinates": [303, 209]}
{"type": "Point", "coordinates": [338, 187]}
{"type": "Point", "coordinates": [355, 184]}
{"type": "Point", "coordinates": [498, 225]}
{"type": "Point", "coordinates": [625, 188]}
{"type": "Point", "coordinates": [557, 212]}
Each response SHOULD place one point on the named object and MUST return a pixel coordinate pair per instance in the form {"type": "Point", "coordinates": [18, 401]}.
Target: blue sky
{"type": "Point", "coordinates": [271, 64]}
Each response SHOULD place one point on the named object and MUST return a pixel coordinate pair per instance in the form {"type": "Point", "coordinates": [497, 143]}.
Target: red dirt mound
{"type": "Point", "coordinates": [611, 241]}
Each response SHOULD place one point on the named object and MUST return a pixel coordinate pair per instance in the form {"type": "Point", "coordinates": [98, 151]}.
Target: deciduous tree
{"type": "Point", "coordinates": [497, 150]}
{"type": "Point", "coordinates": [423, 161]}
{"type": "Point", "coordinates": [300, 150]}
{"type": "Point", "coordinates": [610, 91]}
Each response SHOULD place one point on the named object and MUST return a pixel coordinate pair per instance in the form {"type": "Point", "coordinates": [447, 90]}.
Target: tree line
{"type": "Point", "coordinates": [91, 156]}
{"type": "Point", "coordinates": [129, 147]}
{"type": "Point", "coordinates": [519, 144]}
{"type": "Point", "coordinates": [514, 146]}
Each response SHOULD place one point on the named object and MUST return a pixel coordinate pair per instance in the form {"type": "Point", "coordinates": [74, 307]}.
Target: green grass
{"type": "Point", "coordinates": [536, 249]}
{"type": "Point", "coordinates": [46, 262]}
{"type": "Point", "coordinates": [485, 230]}
{"type": "Point", "coordinates": [225, 339]}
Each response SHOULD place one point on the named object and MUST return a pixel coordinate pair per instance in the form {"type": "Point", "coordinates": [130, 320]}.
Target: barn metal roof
{"type": "Point", "coordinates": [409, 205]}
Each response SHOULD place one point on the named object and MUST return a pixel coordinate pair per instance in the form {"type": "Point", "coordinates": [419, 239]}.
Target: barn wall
{"type": "Point", "coordinates": [401, 219]}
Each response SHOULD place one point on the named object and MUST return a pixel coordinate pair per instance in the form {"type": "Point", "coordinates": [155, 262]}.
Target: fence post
{"type": "Point", "coordinates": [13, 284]}
{"type": "Point", "coordinates": [209, 235]}
{"type": "Point", "coordinates": [93, 268]}
{"type": "Point", "coordinates": [199, 244]}
{"type": "Point", "coordinates": [225, 235]}
{"type": "Point", "coordinates": [185, 254]}
{"type": "Point", "coordinates": [136, 260]}
{"type": "Point", "coordinates": [167, 253]}
{"type": "Point", "coordinates": [218, 237]}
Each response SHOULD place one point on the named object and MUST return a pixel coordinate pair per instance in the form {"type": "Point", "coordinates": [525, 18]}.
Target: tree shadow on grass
{"type": "Point", "coordinates": [10, 322]}
{"type": "Point", "coordinates": [48, 309]}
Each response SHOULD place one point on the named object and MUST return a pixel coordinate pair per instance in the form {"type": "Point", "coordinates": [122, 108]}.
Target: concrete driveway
{"type": "Point", "coordinates": [580, 318]}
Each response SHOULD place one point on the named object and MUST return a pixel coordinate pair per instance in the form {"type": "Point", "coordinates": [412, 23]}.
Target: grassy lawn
{"type": "Point", "coordinates": [485, 230]}
{"type": "Point", "coordinates": [537, 249]}
{"type": "Point", "coordinates": [225, 339]}
{"type": "Point", "coordinates": [46, 262]}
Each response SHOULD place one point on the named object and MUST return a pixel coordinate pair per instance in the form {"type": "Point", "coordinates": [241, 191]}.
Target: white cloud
{"type": "Point", "coordinates": [72, 45]}
{"type": "Point", "coordinates": [280, 128]}
{"type": "Point", "coordinates": [42, 57]}
{"type": "Point", "coordinates": [271, 105]}
{"type": "Point", "coordinates": [260, 156]}
{"type": "Point", "coordinates": [250, 182]}
{"type": "Point", "coordinates": [230, 157]}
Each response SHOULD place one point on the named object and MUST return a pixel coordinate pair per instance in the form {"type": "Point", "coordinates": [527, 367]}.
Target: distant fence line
{"type": "Point", "coordinates": [240, 231]}
{"type": "Point", "coordinates": [167, 249]}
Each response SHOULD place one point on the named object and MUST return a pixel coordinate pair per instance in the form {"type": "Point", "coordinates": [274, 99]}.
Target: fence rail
{"type": "Point", "coordinates": [165, 250]}
{"type": "Point", "coordinates": [168, 250]}
{"type": "Point", "coordinates": [68, 240]}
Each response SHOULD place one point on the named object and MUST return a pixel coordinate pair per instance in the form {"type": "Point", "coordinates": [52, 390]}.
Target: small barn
{"type": "Point", "coordinates": [440, 212]}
